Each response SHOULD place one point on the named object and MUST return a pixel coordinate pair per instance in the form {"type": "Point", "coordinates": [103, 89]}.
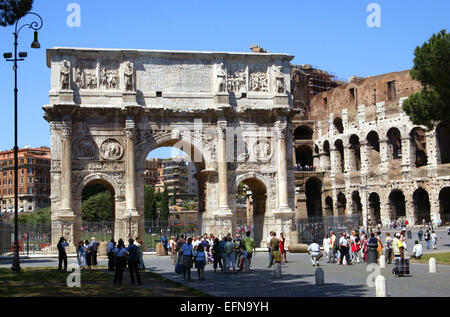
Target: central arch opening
{"type": "Point", "coordinates": [98, 210]}
{"type": "Point", "coordinates": [255, 193]}
{"type": "Point", "coordinates": [397, 201]}
{"type": "Point", "coordinates": [313, 191]}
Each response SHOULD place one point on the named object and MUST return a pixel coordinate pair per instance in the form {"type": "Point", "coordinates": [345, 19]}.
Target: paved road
{"type": "Point", "coordinates": [297, 280]}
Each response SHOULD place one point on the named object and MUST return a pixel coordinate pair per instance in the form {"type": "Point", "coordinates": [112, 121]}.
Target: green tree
{"type": "Point", "coordinates": [41, 216]}
{"type": "Point", "coordinates": [164, 209]}
{"type": "Point", "coordinates": [150, 211]}
{"type": "Point", "coordinates": [432, 68]}
{"type": "Point", "coordinates": [97, 208]}
{"type": "Point", "coordinates": [13, 10]}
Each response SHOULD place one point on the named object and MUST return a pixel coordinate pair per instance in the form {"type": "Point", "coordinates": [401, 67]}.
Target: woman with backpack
{"type": "Point", "coordinates": [200, 261]}
{"type": "Point", "coordinates": [81, 256]}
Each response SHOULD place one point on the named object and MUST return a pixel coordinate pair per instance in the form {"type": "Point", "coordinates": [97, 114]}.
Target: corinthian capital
{"type": "Point", "coordinates": [66, 129]}
{"type": "Point", "coordinates": [281, 129]}
{"type": "Point", "coordinates": [130, 129]}
{"type": "Point", "coordinates": [221, 129]}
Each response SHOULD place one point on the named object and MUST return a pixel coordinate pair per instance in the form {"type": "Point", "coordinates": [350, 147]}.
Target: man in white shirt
{"type": "Point", "coordinates": [417, 251]}
{"type": "Point", "coordinates": [344, 244]}
{"type": "Point", "coordinates": [314, 251]}
{"type": "Point", "coordinates": [269, 249]}
{"type": "Point", "coordinates": [433, 240]}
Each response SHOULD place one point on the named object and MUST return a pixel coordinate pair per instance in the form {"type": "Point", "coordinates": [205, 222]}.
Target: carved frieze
{"type": "Point", "coordinates": [236, 78]}
{"type": "Point", "coordinates": [111, 149]}
{"type": "Point", "coordinates": [109, 75]}
{"type": "Point", "coordinates": [221, 78]}
{"type": "Point", "coordinates": [55, 166]}
{"type": "Point", "coordinates": [84, 149]}
{"type": "Point", "coordinates": [258, 78]}
{"type": "Point", "coordinates": [128, 77]}
{"type": "Point", "coordinates": [280, 86]}
{"type": "Point", "coordinates": [86, 74]}
{"type": "Point", "coordinates": [83, 165]}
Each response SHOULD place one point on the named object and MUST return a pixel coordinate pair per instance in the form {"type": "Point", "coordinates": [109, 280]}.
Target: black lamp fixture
{"type": "Point", "coordinates": [36, 26]}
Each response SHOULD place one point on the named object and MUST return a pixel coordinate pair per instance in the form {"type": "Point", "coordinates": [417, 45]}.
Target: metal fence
{"type": "Point", "coordinates": [315, 229]}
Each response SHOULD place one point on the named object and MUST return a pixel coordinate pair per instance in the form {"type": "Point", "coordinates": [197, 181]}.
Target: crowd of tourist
{"type": "Point", "coordinates": [223, 252]}
{"type": "Point", "coordinates": [352, 247]}
{"type": "Point", "coordinates": [306, 168]}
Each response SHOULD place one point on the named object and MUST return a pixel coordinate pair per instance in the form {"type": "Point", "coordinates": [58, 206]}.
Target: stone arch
{"type": "Point", "coordinates": [374, 211]}
{"type": "Point", "coordinates": [418, 145]}
{"type": "Point", "coordinates": [303, 133]}
{"type": "Point", "coordinates": [339, 145]}
{"type": "Point", "coordinates": [304, 155]}
{"type": "Point", "coordinates": [421, 201]}
{"type": "Point", "coordinates": [394, 138]}
{"type": "Point", "coordinates": [326, 150]}
{"type": "Point", "coordinates": [443, 141]}
{"type": "Point", "coordinates": [373, 154]}
{"type": "Point", "coordinates": [355, 148]}
{"type": "Point", "coordinates": [100, 178]}
{"type": "Point", "coordinates": [341, 204]}
{"type": "Point", "coordinates": [313, 192]}
{"type": "Point", "coordinates": [397, 204]}
{"type": "Point", "coordinates": [259, 193]}
{"type": "Point", "coordinates": [444, 204]}
{"type": "Point", "coordinates": [357, 206]}
{"type": "Point", "coordinates": [328, 206]}
{"type": "Point", "coordinates": [338, 125]}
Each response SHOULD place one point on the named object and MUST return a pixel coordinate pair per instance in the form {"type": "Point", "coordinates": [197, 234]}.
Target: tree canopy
{"type": "Point", "coordinates": [12, 10]}
{"type": "Point", "coordinates": [432, 68]}
{"type": "Point", "coordinates": [164, 211]}
{"type": "Point", "coordinates": [97, 208]}
{"type": "Point", "coordinates": [150, 210]}
{"type": "Point", "coordinates": [39, 217]}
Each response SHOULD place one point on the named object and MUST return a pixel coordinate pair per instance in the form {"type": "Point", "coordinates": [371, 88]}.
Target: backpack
{"type": "Point", "coordinates": [133, 253]}
{"type": "Point", "coordinates": [427, 236]}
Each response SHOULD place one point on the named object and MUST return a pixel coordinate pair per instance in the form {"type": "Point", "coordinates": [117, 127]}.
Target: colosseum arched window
{"type": "Point", "coordinates": [444, 204]}
{"type": "Point", "coordinates": [397, 204]}
{"type": "Point", "coordinates": [355, 159]}
{"type": "Point", "coordinates": [394, 143]}
{"type": "Point", "coordinates": [374, 149]}
{"type": "Point", "coordinates": [303, 133]}
{"type": "Point", "coordinates": [340, 165]}
{"type": "Point", "coordinates": [421, 205]}
{"type": "Point", "coordinates": [338, 125]}
{"type": "Point", "coordinates": [418, 147]}
{"type": "Point", "coordinates": [443, 138]}
{"type": "Point", "coordinates": [313, 192]}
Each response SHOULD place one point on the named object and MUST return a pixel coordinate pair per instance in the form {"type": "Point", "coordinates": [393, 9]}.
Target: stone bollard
{"type": "Point", "coordinates": [432, 265]}
{"type": "Point", "coordinates": [246, 266]}
{"type": "Point", "coordinates": [382, 262]}
{"type": "Point", "coordinates": [380, 286]}
{"type": "Point", "coordinates": [320, 277]}
{"type": "Point", "coordinates": [277, 270]}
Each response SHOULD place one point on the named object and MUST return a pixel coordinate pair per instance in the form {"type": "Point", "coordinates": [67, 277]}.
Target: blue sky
{"type": "Point", "coordinates": [329, 34]}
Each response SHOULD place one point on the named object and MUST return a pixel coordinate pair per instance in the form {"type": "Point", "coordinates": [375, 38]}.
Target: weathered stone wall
{"type": "Point", "coordinates": [379, 149]}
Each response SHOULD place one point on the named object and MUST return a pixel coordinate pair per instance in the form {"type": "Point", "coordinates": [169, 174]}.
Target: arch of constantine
{"type": "Point", "coordinates": [230, 112]}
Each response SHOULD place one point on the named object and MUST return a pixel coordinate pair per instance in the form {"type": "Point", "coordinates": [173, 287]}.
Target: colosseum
{"type": "Point", "coordinates": [360, 154]}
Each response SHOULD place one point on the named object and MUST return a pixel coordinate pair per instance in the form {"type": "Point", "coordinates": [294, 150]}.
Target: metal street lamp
{"type": "Point", "coordinates": [36, 26]}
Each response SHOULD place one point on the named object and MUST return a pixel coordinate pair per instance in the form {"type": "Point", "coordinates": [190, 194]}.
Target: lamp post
{"type": "Point", "coordinates": [36, 26]}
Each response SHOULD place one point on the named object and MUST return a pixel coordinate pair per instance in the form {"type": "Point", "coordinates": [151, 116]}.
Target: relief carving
{"type": "Point", "coordinates": [109, 79]}
{"type": "Point", "coordinates": [262, 150]}
{"type": "Point", "coordinates": [279, 80]}
{"type": "Point", "coordinates": [111, 149]}
{"type": "Point", "coordinates": [221, 81]}
{"type": "Point", "coordinates": [84, 149]}
{"type": "Point", "coordinates": [258, 78]}
{"type": "Point", "coordinates": [85, 75]}
{"type": "Point", "coordinates": [237, 78]}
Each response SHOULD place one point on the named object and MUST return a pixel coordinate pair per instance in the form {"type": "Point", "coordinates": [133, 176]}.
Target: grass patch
{"type": "Point", "coordinates": [49, 282]}
{"type": "Point", "coordinates": [441, 258]}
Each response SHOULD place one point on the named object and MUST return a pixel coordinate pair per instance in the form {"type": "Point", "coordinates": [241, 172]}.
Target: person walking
{"type": "Point", "coordinates": [200, 261]}
{"type": "Point", "coordinates": [427, 238]}
{"type": "Point", "coordinates": [62, 255]}
{"type": "Point", "coordinates": [120, 259]}
{"type": "Point", "coordinates": [133, 261]}
{"type": "Point", "coordinates": [237, 249]}
{"type": "Point", "coordinates": [388, 250]}
{"type": "Point", "coordinates": [344, 247]}
{"type": "Point", "coordinates": [81, 256]}
{"type": "Point", "coordinates": [282, 248]}
{"type": "Point", "coordinates": [420, 234]}
{"type": "Point", "coordinates": [434, 240]}
{"type": "Point", "coordinates": [172, 249]}
{"type": "Point", "coordinates": [164, 242]}
{"type": "Point", "coordinates": [109, 251]}
{"type": "Point", "coordinates": [333, 248]}
{"type": "Point", "coordinates": [356, 247]}
{"type": "Point", "coordinates": [274, 242]}
{"type": "Point", "coordinates": [222, 243]}
{"type": "Point", "coordinates": [326, 247]}
{"type": "Point", "coordinates": [187, 252]}
{"type": "Point", "coordinates": [178, 246]}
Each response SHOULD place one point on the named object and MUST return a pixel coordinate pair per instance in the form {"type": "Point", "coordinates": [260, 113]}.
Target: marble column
{"type": "Point", "coordinates": [66, 169]}
{"type": "Point", "coordinates": [222, 167]}
{"type": "Point", "coordinates": [283, 205]}
{"type": "Point", "coordinates": [130, 193]}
